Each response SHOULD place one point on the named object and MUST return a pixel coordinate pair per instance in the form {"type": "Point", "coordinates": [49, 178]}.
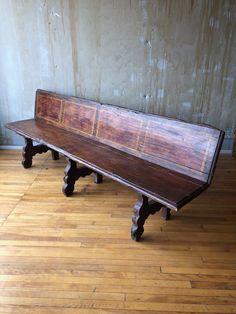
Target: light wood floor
{"type": "Point", "coordinates": [75, 255]}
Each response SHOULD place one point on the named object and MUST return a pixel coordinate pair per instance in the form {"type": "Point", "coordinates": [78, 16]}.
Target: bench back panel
{"type": "Point", "coordinates": [187, 148]}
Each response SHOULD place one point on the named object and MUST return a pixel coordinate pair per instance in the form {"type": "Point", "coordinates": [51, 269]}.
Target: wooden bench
{"type": "Point", "coordinates": [167, 162]}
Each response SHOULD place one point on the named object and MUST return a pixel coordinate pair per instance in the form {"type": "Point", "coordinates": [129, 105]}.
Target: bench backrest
{"type": "Point", "coordinates": [186, 148]}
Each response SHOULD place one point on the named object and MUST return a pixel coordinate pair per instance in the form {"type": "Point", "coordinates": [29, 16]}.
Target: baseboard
{"type": "Point", "coordinates": [10, 147]}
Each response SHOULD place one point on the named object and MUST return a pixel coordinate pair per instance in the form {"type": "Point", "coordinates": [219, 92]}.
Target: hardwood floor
{"type": "Point", "coordinates": [75, 255]}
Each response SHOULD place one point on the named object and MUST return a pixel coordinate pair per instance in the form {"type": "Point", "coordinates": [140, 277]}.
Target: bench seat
{"type": "Point", "coordinates": [143, 176]}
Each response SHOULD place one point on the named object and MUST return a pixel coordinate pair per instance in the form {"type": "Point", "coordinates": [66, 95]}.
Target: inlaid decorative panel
{"type": "Point", "coordinates": [180, 143]}
{"type": "Point", "coordinates": [119, 128]}
{"type": "Point", "coordinates": [49, 108]}
{"type": "Point", "coordinates": [79, 117]}
{"type": "Point", "coordinates": [174, 144]}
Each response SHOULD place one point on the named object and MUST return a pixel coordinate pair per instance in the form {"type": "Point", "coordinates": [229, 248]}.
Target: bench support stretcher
{"type": "Point", "coordinates": [72, 174]}
{"type": "Point", "coordinates": [29, 150]}
{"type": "Point", "coordinates": [142, 209]}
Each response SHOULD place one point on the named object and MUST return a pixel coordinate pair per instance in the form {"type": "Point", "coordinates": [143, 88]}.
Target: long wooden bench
{"type": "Point", "coordinates": [167, 162]}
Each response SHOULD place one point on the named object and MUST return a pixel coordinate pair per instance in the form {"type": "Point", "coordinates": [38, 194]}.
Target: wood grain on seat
{"type": "Point", "coordinates": [162, 184]}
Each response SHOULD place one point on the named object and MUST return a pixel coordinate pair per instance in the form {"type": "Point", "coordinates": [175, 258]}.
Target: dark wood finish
{"type": "Point", "coordinates": [163, 185]}
{"type": "Point", "coordinates": [29, 151]}
{"type": "Point", "coordinates": [118, 128]}
{"type": "Point", "coordinates": [79, 117]}
{"type": "Point", "coordinates": [55, 155]}
{"type": "Point", "coordinates": [49, 107]}
{"type": "Point", "coordinates": [142, 209]}
{"type": "Point", "coordinates": [73, 173]}
{"type": "Point", "coordinates": [70, 177]}
{"type": "Point", "coordinates": [177, 145]}
{"type": "Point", "coordinates": [166, 160]}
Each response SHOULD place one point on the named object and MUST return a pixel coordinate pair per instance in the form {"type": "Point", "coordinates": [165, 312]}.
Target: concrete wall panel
{"type": "Point", "coordinates": [169, 57]}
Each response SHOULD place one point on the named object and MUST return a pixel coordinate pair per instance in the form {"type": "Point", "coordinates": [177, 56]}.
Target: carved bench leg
{"type": "Point", "coordinates": [27, 153]}
{"type": "Point", "coordinates": [70, 177]}
{"type": "Point", "coordinates": [29, 150]}
{"type": "Point", "coordinates": [72, 174]}
{"type": "Point", "coordinates": [165, 213]}
{"type": "Point", "coordinates": [142, 209]}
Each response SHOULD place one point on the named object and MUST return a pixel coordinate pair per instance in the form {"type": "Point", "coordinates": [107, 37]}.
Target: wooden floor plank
{"type": "Point", "coordinates": [75, 255]}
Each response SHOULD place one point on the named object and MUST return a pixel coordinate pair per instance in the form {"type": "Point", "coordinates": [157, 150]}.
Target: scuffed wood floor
{"type": "Point", "coordinates": [75, 255]}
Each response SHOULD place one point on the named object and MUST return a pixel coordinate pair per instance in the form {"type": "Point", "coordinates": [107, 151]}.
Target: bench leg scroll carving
{"type": "Point", "coordinates": [73, 173]}
{"type": "Point", "coordinates": [29, 150]}
{"type": "Point", "coordinates": [70, 177]}
{"type": "Point", "coordinates": [27, 153]}
{"type": "Point", "coordinates": [142, 209]}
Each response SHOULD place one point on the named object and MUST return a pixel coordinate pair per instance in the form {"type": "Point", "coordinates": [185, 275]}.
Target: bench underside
{"type": "Point", "coordinates": [168, 187]}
